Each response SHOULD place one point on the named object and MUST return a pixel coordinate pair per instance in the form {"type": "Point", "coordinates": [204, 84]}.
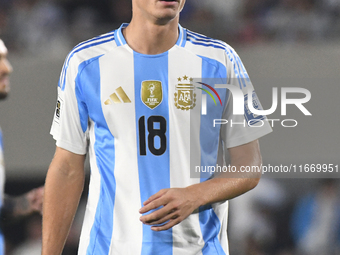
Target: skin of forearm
{"type": "Point", "coordinates": [63, 188]}
{"type": "Point", "coordinates": [221, 189]}
{"type": "Point", "coordinates": [225, 187]}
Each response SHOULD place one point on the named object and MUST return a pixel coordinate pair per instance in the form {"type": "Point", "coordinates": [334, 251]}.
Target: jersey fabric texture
{"type": "Point", "coordinates": [139, 119]}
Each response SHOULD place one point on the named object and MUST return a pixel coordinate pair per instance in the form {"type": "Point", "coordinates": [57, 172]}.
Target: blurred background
{"type": "Point", "coordinates": [282, 43]}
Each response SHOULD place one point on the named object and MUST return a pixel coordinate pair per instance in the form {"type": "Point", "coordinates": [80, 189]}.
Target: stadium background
{"type": "Point", "coordinates": [282, 43]}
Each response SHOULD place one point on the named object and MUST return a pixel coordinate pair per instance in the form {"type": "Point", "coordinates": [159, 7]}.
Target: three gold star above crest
{"type": "Point", "coordinates": [185, 78]}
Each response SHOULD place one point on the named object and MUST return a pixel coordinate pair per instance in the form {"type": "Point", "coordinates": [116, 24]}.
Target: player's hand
{"type": "Point", "coordinates": [173, 206]}
{"type": "Point", "coordinates": [35, 199]}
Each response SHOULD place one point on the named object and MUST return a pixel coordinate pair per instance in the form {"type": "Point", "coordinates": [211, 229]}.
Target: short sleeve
{"type": "Point", "coordinates": [241, 129]}
{"type": "Point", "coordinates": [67, 128]}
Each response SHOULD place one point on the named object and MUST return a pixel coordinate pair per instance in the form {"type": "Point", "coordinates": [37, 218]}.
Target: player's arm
{"type": "Point", "coordinates": [178, 203]}
{"type": "Point", "coordinates": [15, 206]}
{"type": "Point", "coordinates": [63, 187]}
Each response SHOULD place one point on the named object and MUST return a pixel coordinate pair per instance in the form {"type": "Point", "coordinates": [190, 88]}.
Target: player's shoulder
{"type": "Point", "coordinates": [92, 48]}
{"type": "Point", "coordinates": [205, 42]}
{"type": "Point", "coordinates": [84, 52]}
{"type": "Point", "coordinates": [209, 47]}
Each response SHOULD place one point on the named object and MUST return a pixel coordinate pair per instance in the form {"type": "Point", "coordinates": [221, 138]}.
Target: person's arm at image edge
{"type": "Point", "coordinates": [180, 203]}
{"type": "Point", "coordinates": [223, 187]}
{"type": "Point", "coordinates": [63, 188]}
{"type": "Point", "coordinates": [17, 206]}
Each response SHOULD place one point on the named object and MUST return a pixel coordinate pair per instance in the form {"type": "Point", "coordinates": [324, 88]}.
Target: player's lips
{"type": "Point", "coordinates": [169, 2]}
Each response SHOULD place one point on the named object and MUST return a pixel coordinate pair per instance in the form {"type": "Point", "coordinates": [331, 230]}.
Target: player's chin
{"type": "Point", "coordinates": [166, 16]}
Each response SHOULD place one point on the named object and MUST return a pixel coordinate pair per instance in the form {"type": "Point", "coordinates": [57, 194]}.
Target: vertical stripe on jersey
{"type": "Point", "coordinates": [154, 172]}
{"type": "Point", "coordinates": [209, 222]}
{"type": "Point", "coordinates": [117, 78]}
{"type": "Point", "coordinates": [101, 232]}
{"type": "Point", "coordinates": [184, 127]}
{"type": "Point", "coordinates": [93, 196]}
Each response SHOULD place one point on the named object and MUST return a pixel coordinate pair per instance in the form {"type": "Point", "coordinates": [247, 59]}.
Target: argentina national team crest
{"type": "Point", "coordinates": [152, 93]}
{"type": "Point", "coordinates": [185, 97]}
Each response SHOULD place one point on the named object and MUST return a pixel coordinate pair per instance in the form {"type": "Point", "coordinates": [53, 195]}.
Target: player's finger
{"type": "Point", "coordinates": [155, 196]}
{"type": "Point", "coordinates": [164, 219]}
{"type": "Point", "coordinates": [156, 215]}
{"type": "Point", "coordinates": [166, 226]}
{"type": "Point", "coordinates": [153, 205]}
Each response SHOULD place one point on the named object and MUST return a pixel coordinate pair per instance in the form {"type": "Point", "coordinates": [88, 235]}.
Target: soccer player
{"type": "Point", "coordinates": [31, 201]}
{"type": "Point", "coordinates": [130, 100]}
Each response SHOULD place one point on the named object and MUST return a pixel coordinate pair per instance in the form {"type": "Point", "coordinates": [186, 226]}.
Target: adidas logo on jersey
{"type": "Point", "coordinates": [117, 100]}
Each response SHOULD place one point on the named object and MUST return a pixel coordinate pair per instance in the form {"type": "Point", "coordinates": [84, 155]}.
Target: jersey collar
{"type": "Point", "coordinates": [120, 40]}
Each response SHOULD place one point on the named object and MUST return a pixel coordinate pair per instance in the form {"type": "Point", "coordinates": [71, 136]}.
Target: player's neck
{"type": "Point", "coordinates": [149, 38]}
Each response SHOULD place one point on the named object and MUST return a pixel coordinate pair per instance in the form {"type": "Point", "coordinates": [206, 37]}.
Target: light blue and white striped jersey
{"type": "Point", "coordinates": [138, 117]}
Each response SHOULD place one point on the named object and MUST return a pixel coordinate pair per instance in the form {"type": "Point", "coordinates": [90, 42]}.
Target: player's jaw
{"type": "Point", "coordinates": [162, 11]}
{"type": "Point", "coordinates": [169, 8]}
